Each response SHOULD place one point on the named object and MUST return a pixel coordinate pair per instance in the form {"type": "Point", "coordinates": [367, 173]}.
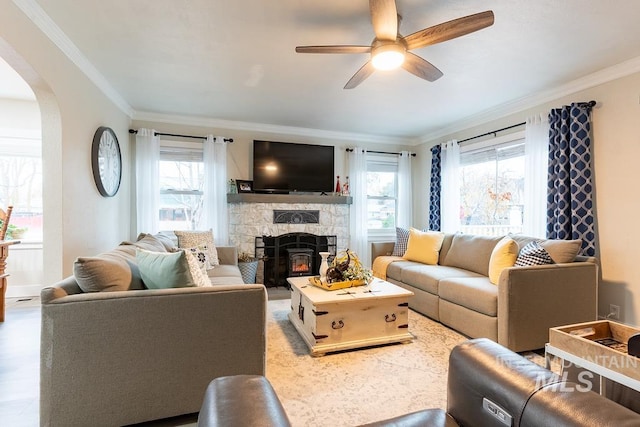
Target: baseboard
{"type": "Point", "coordinates": [23, 291]}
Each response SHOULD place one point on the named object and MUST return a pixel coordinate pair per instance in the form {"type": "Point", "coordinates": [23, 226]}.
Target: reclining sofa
{"type": "Point", "coordinates": [519, 309]}
{"type": "Point", "coordinates": [488, 386]}
{"type": "Point", "coordinates": [128, 356]}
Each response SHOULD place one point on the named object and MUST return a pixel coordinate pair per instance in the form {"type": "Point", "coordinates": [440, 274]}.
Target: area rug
{"type": "Point", "coordinates": [358, 386]}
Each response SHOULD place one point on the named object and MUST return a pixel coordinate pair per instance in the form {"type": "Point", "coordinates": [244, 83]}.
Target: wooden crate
{"type": "Point", "coordinates": [580, 340]}
{"type": "Point", "coordinates": [350, 318]}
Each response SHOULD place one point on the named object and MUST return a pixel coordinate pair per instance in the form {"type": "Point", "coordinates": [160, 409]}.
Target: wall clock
{"type": "Point", "coordinates": [106, 161]}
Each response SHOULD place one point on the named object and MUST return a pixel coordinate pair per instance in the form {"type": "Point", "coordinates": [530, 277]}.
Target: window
{"type": "Point", "coordinates": [21, 181]}
{"type": "Point", "coordinates": [492, 187]}
{"type": "Point", "coordinates": [382, 188]}
{"type": "Point", "coordinates": [181, 185]}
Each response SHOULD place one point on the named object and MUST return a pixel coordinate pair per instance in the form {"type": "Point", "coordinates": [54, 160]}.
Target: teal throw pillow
{"type": "Point", "coordinates": [163, 270]}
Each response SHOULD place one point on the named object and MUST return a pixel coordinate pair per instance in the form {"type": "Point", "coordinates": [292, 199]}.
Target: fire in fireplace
{"type": "Point", "coordinates": [300, 261]}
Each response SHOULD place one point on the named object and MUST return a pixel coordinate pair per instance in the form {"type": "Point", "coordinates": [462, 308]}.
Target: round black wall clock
{"type": "Point", "coordinates": [106, 161]}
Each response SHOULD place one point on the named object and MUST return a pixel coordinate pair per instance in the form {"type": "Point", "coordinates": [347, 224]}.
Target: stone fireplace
{"type": "Point", "coordinates": [254, 216]}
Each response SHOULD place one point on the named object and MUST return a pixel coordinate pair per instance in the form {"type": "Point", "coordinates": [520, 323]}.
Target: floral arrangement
{"type": "Point", "coordinates": [347, 266]}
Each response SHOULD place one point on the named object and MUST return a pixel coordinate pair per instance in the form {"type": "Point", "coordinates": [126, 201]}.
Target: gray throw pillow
{"type": "Point", "coordinates": [471, 252]}
{"type": "Point", "coordinates": [562, 250]}
{"type": "Point", "coordinates": [115, 270]}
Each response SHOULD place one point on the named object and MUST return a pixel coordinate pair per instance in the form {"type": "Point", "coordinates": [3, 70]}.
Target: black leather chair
{"type": "Point", "coordinates": [488, 386]}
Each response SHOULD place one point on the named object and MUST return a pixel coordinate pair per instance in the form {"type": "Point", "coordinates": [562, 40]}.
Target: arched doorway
{"type": "Point", "coordinates": [32, 122]}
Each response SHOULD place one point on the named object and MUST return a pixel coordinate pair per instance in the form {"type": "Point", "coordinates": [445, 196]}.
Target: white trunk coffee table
{"type": "Point", "coordinates": [349, 318]}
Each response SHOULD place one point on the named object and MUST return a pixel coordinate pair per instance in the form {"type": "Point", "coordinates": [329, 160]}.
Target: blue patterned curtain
{"type": "Point", "coordinates": [434, 189]}
{"type": "Point", "coordinates": [570, 188]}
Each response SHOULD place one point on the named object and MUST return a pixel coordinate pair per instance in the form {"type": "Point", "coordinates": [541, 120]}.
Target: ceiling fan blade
{"type": "Point", "coordinates": [365, 71]}
{"type": "Point", "coordinates": [333, 49]}
{"type": "Point", "coordinates": [384, 17]}
{"type": "Point", "coordinates": [420, 67]}
{"type": "Point", "coordinates": [449, 30]}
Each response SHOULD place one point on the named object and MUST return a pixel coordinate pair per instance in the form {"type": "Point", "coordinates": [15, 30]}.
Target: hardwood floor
{"type": "Point", "coordinates": [20, 363]}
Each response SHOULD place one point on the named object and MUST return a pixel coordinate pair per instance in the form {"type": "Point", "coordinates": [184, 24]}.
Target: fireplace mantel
{"type": "Point", "coordinates": [287, 198]}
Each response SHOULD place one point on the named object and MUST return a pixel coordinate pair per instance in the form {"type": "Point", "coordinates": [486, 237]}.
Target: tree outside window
{"type": "Point", "coordinates": [21, 183]}
{"type": "Point", "coordinates": [492, 190]}
{"type": "Point", "coordinates": [181, 185]}
{"type": "Point", "coordinates": [382, 189]}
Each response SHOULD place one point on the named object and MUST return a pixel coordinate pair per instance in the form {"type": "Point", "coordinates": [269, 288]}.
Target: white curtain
{"type": "Point", "coordinates": [215, 215]}
{"type": "Point", "coordinates": [536, 158]}
{"type": "Point", "coordinates": [405, 199]}
{"type": "Point", "coordinates": [147, 181]}
{"type": "Point", "coordinates": [358, 240]}
{"type": "Point", "coordinates": [450, 200]}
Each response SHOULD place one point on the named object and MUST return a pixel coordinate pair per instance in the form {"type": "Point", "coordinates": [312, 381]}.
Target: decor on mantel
{"type": "Point", "coordinates": [244, 186]}
{"type": "Point", "coordinates": [232, 187]}
{"type": "Point", "coordinates": [288, 198]}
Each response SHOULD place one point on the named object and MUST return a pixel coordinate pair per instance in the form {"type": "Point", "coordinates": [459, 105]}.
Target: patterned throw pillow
{"type": "Point", "coordinates": [201, 254]}
{"type": "Point", "coordinates": [402, 240]}
{"type": "Point", "coordinates": [192, 239]}
{"type": "Point", "coordinates": [198, 275]}
{"type": "Point", "coordinates": [533, 254]}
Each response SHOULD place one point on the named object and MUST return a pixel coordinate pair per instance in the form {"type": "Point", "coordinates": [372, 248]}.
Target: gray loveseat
{"type": "Point", "coordinates": [129, 356]}
{"type": "Point", "coordinates": [518, 311]}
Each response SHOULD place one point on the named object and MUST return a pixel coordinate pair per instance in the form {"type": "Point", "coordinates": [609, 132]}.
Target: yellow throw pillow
{"type": "Point", "coordinates": [423, 246]}
{"type": "Point", "coordinates": [504, 255]}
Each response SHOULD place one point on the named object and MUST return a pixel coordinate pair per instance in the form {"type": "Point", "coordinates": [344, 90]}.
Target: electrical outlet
{"type": "Point", "coordinates": [614, 312]}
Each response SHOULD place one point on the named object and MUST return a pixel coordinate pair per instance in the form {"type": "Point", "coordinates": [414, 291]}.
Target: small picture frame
{"type": "Point", "coordinates": [244, 186]}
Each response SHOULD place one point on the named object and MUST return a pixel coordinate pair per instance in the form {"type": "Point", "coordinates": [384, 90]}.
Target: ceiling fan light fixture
{"type": "Point", "coordinates": [388, 57]}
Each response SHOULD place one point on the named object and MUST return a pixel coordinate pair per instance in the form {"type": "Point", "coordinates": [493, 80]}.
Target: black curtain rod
{"type": "Point", "coordinates": [492, 132]}
{"type": "Point", "coordinates": [350, 150]}
{"type": "Point", "coordinates": [179, 136]}
{"type": "Point", "coordinates": [589, 104]}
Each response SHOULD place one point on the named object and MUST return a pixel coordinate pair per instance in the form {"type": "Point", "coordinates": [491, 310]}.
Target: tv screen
{"type": "Point", "coordinates": [287, 167]}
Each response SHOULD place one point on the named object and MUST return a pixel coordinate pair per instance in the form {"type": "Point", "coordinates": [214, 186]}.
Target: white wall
{"type": "Point", "coordinates": [239, 154]}
{"type": "Point", "coordinates": [616, 150]}
{"type": "Point", "coordinates": [78, 221]}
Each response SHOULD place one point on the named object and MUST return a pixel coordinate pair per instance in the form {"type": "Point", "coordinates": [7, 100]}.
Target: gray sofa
{"type": "Point", "coordinates": [129, 356]}
{"type": "Point", "coordinates": [487, 386]}
{"type": "Point", "coordinates": [518, 311]}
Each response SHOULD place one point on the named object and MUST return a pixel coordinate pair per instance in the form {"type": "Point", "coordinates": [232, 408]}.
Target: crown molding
{"type": "Point", "coordinates": [39, 17]}
{"type": "Point", "coordinates": [606, 75]}
{"type": "Point", "coordinates": [267, 128]}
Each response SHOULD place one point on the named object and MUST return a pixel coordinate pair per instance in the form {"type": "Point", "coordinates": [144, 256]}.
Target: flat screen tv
{"type": "Point", "coordinates": [281, 167]}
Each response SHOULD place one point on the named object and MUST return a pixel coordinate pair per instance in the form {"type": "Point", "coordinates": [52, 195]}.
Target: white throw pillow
{"type": "Point", "coordinates": [191, 239]}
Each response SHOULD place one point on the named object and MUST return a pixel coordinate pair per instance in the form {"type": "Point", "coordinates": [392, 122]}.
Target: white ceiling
{"type": "Point", "coordinates": [235, 60]}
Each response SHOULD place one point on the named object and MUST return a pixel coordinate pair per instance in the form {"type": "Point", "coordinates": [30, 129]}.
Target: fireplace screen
{"type": "Point", "coordinates": [291, 254]}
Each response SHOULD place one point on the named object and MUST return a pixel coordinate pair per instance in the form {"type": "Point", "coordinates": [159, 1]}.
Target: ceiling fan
{"type": "Point", "coordinates": [390, 50]}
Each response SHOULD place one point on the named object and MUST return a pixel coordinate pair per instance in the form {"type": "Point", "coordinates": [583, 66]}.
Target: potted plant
{"type": "Point", "coordinates": [248, 265]}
